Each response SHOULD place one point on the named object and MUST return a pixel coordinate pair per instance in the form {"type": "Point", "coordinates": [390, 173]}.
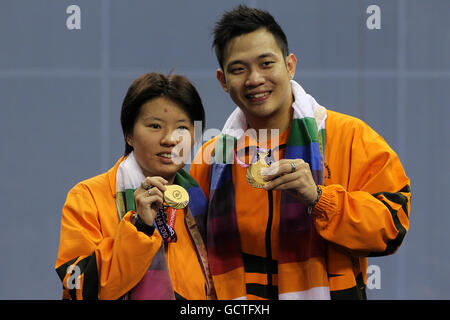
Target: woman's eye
{"type": "Point", "coordinates": [154, 126]}
{"type": "Point", "coordinates": [182, 128]}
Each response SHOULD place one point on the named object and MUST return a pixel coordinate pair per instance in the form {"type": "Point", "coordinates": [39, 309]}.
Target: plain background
{"type": "Point", "coordinates": [61, 92]}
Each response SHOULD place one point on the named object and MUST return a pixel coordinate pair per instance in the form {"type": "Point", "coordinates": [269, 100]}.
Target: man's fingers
{"type": "Point", "coordinates": [287, 181]}
{"type": "Point", "coordinates": [274, 170]}
{"type": "Point", "coordinates": [282, 167]}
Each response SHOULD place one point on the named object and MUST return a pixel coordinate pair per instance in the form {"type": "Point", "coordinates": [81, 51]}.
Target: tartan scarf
{"type": "Point", "coordinates": [156, 283]}
{"type": "Point", "coordinates": [299, 242]}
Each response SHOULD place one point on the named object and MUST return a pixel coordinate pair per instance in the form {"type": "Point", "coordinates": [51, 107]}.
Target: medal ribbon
{"type": "Point", "coordinates": [166, 230]}
{"type": "Point", "coordinates": [270, 158]}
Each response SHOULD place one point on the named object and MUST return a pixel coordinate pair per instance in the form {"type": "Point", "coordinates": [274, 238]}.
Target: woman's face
{"type": "Point", "coordinates": [162, 138]}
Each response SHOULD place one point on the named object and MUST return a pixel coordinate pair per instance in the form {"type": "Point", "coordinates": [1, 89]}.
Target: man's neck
{"type": "Point", "coordinates": [281, 122]}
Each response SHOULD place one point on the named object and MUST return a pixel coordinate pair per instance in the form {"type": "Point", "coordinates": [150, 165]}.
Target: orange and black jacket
{"type": "Point", "coordinates": [103, 257]}
{"type": "Point", "coordinates": [363, 210]}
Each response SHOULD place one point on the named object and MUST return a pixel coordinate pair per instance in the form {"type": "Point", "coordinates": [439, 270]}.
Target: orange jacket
{"type": "Point", "coordinates": [363, 210]}
{"type": "Point", "coordinates": [112, 256]}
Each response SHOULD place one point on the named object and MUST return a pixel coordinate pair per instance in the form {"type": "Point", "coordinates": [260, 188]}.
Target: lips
{"type": "Point", "coordinates": [170, 158]}
{"type": "Point", "coordinates": [165, 155]}
{"type": "Point", "coordinates": [258, 96]}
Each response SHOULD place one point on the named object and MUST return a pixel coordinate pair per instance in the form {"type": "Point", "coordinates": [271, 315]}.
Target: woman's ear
{"type": "Point", "coordinates": [129, 139]}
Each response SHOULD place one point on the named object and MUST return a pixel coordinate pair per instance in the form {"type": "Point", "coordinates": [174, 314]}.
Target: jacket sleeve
{"type": "Point", "coordinates": [365, 208]}
{"type": "Point", "coordinates": [93, 266]}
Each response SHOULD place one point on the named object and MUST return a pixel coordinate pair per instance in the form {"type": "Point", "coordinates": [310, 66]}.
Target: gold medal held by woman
{"type": "Point", "coordinates": [176, 196]}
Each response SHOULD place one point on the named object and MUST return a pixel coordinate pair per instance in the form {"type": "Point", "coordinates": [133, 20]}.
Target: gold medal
{"type": "Point", "coordinates": [176, 196]}
{"type": "Point", "coordinates": [254, 176]}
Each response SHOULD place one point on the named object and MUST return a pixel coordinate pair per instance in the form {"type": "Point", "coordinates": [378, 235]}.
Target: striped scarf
{"type": "Point", "coordinates": [156, 283]}
{"type": "Point", "coordinates": [299, 244]}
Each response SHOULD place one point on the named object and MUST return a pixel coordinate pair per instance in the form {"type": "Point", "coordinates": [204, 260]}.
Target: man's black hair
{"type": "Point", "coordinates": [242, 20]}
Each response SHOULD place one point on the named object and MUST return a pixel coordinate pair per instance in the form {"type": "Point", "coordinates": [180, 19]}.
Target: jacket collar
{"type": "Point", "coordinates": [112, 173]}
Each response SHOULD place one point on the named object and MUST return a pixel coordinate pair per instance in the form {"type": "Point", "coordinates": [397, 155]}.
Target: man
{"type": "Point", "coordinates": [334, 193]}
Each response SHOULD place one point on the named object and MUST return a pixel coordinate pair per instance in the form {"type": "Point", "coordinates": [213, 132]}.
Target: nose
{"type": "Point", "coordinates": [170, 138]}
{"type": "Point", "coordinates": [255, 78]}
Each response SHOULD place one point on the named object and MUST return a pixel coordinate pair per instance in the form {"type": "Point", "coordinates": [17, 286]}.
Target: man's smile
{"type": "Point", "coordinates": [259, 96]}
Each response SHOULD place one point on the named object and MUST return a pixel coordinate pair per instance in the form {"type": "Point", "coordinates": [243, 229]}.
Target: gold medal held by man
{"type": "Point", "coordinates": [254, 176]}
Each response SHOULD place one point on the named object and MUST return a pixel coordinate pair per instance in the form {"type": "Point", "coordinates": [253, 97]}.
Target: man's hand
{"type": "Point", "coordinates": [295, 178]}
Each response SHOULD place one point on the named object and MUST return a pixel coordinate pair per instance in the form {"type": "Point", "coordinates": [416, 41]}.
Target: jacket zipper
{"type": "Point", "coordinates": [268, 239]}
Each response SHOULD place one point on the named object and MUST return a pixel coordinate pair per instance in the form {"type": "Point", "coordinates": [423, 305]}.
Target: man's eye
{"type": "Point", "coordinates": [267, 63]}
{"type": "Point", "coordinates": [237, 70]}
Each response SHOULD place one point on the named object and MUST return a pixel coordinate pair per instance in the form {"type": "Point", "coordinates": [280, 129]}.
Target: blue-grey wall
{"type": "Point", "coordinates": [61, 92]}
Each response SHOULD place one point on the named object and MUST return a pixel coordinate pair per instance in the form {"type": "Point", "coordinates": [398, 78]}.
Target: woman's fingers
{"type": "Point", "coordinates": [150, 182]}
{"type": "Point", "coordinates": [148, 203]}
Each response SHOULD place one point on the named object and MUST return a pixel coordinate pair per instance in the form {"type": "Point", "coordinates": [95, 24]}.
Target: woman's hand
{"type": "Point", "coordinates": [149, 197]}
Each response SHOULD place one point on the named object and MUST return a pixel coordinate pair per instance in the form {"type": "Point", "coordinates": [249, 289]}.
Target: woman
{"type": "Point", "coordinates": [109, 248]}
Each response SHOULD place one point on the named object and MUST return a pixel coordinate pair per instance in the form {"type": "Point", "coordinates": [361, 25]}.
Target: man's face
{"type": "Point", "coordinates": [257, 75]}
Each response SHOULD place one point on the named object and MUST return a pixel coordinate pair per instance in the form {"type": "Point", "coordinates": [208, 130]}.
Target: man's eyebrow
{"type": "Point", "coordinates": [267, 55]}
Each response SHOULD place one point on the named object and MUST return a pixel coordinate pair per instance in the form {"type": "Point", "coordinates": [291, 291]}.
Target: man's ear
{"type": "Point", "coordinates": [291, 64]}
{"type": "Point", "coordinates": [221, 78]}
